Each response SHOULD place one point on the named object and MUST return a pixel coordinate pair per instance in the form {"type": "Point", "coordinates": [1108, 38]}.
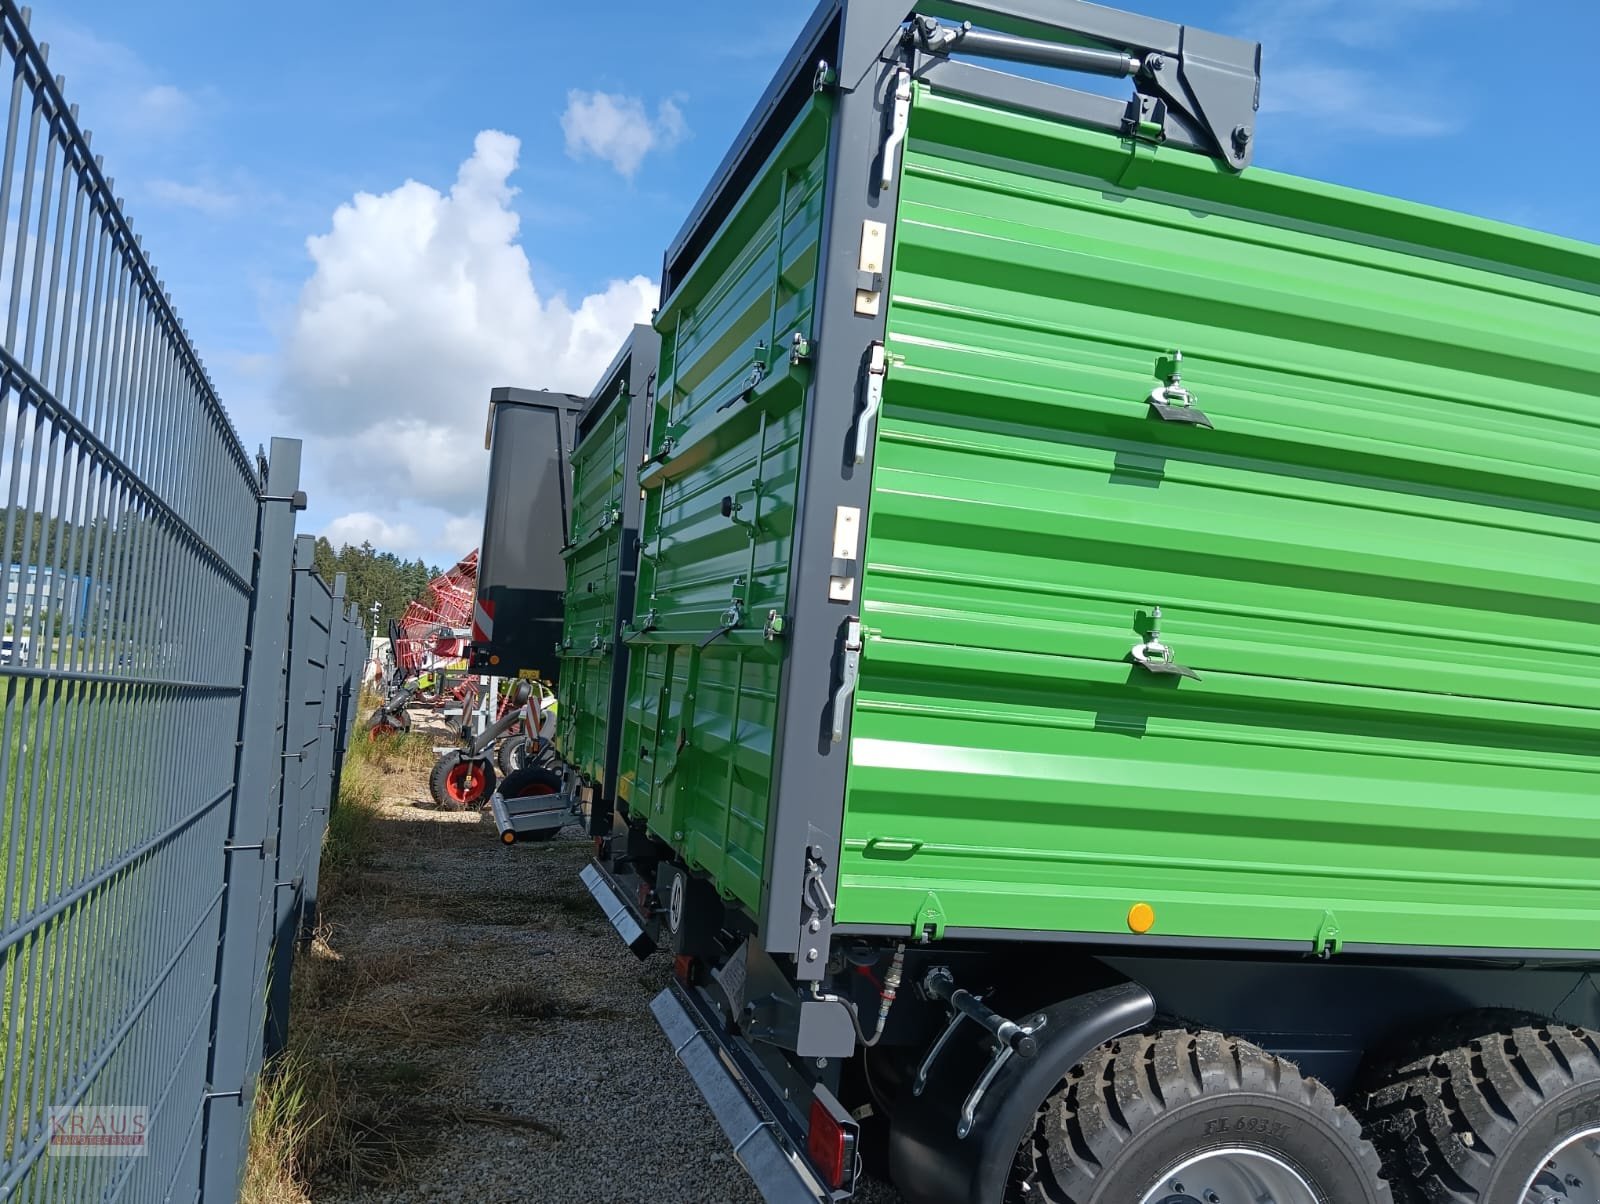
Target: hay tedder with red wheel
{"type": "Point", "coordinates": [426, 662]}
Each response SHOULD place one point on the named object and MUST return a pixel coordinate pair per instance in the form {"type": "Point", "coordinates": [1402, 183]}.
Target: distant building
{"type": "Point", "coordinates": [40, 592]}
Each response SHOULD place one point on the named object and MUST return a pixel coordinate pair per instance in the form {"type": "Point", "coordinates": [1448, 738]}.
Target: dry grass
{"type": "Point", "coordinates": [342, 1104]}
{"type": "Point", "coordinates": [361, 1096]}
{"type": "Point", "coordinates": [339, 1105]}
{"type": "Point", "coordinates": [401, 899]}
{"type": "Point", "coordinates": [410, 753]}
{"type": "Point", "coordinates": [532, 1001]}
{"type": "Point", "coordinates": [279, 1130]}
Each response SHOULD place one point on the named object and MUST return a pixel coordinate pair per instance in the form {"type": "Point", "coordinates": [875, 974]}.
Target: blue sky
{"type": "Point", "coordinates": [238, 135]}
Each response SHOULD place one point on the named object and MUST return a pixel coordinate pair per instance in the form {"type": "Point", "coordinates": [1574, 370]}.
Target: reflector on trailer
{"type": "Point", "coordinates": [831, 1139]}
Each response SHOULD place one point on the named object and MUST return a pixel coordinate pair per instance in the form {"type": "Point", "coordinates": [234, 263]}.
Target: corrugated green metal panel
{"type": "Point", "coordinates": [1382, 562]}
{"type": "Point", "coordinates": [697, 752]}
{"type": "Point", "coordinates": [598, 467]}
{"type": "Point", "coordinates": [599, 472]}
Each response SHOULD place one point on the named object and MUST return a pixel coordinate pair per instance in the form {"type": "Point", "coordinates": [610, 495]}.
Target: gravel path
{"type": "Point", "coordinates": [512, 1010]}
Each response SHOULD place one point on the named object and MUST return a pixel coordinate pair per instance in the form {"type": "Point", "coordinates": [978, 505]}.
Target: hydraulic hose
{"type": "Point", "coordinates": [886, 997]}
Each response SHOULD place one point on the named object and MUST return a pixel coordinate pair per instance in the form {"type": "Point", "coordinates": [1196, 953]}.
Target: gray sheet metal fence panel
{"type": "Point", "coordinates": [327, 650]}
{"type": "Point", "coordinates": [144, 698]}
{"type": "Point", "coordinates": [244, 962]}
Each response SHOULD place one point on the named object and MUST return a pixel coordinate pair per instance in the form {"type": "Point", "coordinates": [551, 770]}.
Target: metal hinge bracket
{"type": "Point", "coordinates": [846, 554]}
{"type": "Point", "coordinates": [928, 923]}
{"type": "Point", "coordinates": [1329, 941]}
{"type": "Point", "coordinates": [817, 908]}
{"type": "Point", "coordinates": [869, 268]}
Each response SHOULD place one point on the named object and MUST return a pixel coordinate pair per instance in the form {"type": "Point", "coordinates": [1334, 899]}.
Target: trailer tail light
{"type": "Point", "coordinates": [831, 1140]}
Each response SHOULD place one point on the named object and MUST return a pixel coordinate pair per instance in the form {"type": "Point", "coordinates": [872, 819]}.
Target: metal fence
{"type": "Point", "coordinates": [168, 749]}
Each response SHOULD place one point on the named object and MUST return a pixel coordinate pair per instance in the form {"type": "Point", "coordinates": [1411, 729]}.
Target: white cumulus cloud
{"type": "Point", "coordinates": [420, 302]}
{"type": "Point", "coordinates": [362, 527]}
{"type": "Point", "coordinates": [619, 129]}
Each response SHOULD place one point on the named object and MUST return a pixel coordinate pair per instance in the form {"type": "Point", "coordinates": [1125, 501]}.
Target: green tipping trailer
{"type": "Point", "coordinates": [1112, 695]}
{"type": "Point", "coordinates": [601, 558]}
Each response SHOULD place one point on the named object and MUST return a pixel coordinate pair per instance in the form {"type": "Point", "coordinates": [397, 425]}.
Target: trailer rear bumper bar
{"type": "Point", "coordinates": [781, 1175]}
{"type": "Point", "coordinates": [598, 881]}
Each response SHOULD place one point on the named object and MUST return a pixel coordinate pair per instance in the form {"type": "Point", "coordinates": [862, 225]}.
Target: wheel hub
{"type": "Point", "coordinates": [1234, 1176]}
{"type": "Point", "coordinates": [1570, 1175]}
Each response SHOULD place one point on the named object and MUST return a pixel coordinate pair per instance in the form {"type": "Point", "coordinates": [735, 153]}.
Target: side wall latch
{"type": "Point", "coordinates": [899, 122]}
{"type": "Point", "coordinates": [849, 676]}
{"type": "Point", "coordinates": [872, 404]}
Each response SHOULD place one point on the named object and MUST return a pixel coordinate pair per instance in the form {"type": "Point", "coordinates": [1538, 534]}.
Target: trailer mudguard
{"type": "Point", "coordinates": [930, 1165]}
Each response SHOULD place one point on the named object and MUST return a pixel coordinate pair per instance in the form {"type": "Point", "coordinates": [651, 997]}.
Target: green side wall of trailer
{"type": "Point", "coordinates": [1382, 562]}
{"type": "Point", "coordinates": [698, 746]}
{"type": "Point", "coordinates": [594, 553]}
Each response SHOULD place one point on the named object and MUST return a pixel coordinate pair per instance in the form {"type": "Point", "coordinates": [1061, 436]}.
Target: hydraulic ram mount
{"type": "Point", "coordinates": [1193, 89]}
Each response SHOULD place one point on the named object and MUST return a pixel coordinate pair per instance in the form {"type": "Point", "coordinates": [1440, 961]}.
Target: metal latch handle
{"type": "Point", "coordinates": [877, 369]}
{"type": "Point", "coordinates": [900, 121]}
{"type": "Point", "coordinates": [849, 675]}
{"type": "Point", "coordinates": [1156, 657]}
{"type": "Point", "coordinates": [1172, 402]}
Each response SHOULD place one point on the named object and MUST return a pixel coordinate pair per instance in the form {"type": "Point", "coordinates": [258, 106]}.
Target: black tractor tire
{"type": "Point", "coordinates": [1137, 1109]}
{"type": "Point", "coordinates": [512, 755]}
{"type": "Point", "coordinates": [529, 781]}
{"type": "Point", "coordinates": [457, 783]}
{"type": "Point", "coordinates": [1474, 1119]}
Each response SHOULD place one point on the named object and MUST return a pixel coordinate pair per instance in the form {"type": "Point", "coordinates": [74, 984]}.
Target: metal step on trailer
{"type": "Point", "coordinates": [598, 881]}
{"type": "Point", "coordinates": [520, 818]}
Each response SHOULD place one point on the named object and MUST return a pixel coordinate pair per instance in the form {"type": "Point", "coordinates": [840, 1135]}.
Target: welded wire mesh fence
{"type": "Point", "coordinates": [175, 687]}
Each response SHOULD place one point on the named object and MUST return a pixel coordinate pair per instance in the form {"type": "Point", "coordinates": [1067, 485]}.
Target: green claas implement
{"type": "Point", "coordinates": [1110, 709]}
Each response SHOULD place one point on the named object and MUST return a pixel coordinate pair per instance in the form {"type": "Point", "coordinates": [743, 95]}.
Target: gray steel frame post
{"type": "Point", "coordinates": [324, 777]}
{"type": "Point", "coordinates": [808, 793]}
{"type": "Point", "coordinates": [355, 644]}
{"type": "Point", "coordinates": [356, 668]}
{"type": "Point", "coordinates": [357, 650]}
{"type": "Point", "coordinates": [308, 650]}
{"type": "Point", "coordinates": [237, 1010]}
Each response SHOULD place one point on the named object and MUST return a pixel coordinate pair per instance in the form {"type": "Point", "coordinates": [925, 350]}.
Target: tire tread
{"type": "Point", "coordinates": [1445, 1110]}
{"type": "Point", "coordinates": [1125, 1087]}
